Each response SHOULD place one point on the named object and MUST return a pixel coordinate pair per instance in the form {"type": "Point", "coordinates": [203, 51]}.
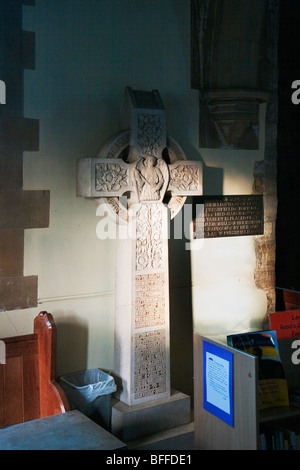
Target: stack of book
{"type": "Point", "coordinates": [286, 323]}
{"type": "Point", "coordinates": [273, 390]}
{"type": "Point", "coordinates": [281, 436]}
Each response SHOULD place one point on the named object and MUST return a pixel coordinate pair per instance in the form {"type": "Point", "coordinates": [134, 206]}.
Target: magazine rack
{"type": "Point", "coordinates": [213, 433]}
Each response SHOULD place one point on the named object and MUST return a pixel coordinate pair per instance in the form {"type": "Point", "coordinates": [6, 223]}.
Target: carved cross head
{"type": "Point", "coordinates": [144, 174]}
{"type": "Point", "coordinates": [148, 179]}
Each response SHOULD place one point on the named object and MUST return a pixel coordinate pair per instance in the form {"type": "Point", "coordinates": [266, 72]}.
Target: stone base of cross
{"type": "Point", "coordinates": [142, 360]}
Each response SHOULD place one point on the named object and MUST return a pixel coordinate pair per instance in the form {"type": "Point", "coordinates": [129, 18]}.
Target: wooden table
{"type": "Point", "coordinates": [66, 431]}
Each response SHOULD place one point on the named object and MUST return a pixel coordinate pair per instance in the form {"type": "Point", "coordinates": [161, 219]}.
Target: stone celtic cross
{"type": "Point", "coordinates": [133, 162]}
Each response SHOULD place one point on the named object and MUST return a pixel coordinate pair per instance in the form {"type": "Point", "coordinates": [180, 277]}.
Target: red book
{"type": "Point", "coordinates": [286, 324]}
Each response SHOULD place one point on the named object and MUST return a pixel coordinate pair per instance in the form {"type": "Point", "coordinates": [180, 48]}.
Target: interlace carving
{"type": "Point", "coordinates": [185, 177]}
{"type": "Point", "coordinates": [149, 242]}
{"type": "Point", "coordinates": [150, 133]}
{"type": "Point", "coordinates": [110, 177]}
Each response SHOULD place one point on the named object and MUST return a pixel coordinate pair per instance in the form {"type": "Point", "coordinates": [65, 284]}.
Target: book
{"type": "Point", "coordinates": [273, 390]}
{"type": "Point", "coordinates": [281, 435]}
{"type": "Point", "coordinates": [286, 323]}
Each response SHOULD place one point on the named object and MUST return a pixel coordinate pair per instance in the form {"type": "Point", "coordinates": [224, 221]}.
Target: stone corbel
{"type": "Point", "coordinates": [231, 118]}
{"type": "Point", "coordinates": [232, 67]}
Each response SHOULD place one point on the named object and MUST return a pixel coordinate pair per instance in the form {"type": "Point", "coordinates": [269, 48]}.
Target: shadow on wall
{"type": "Point", "coordinates": [181, 312]}
{"type": "Point", "coordinates": [213, 179]}
{"type": "Point", "coordinates": [181, 319]}
{"type": "Point", "coordinates": [72, 344]}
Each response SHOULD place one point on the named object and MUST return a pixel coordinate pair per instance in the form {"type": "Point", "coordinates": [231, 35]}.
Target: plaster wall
{"type": "Point", "coordinates": [86, 54]}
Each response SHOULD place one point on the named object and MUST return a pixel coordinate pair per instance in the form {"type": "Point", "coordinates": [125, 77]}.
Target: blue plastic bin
{"type": "Point", "coordinates": [90, 392]}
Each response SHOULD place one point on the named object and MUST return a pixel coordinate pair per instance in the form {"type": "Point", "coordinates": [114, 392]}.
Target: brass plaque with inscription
{"type": "Point", "coordinates": [228, 216]}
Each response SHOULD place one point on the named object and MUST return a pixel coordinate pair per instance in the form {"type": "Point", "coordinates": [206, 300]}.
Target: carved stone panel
{"type": "Point", "coordinates": [186, 178]}
{"type": "Point", "coordinates": [102, 177]}
{"type": "Point", "coordinates": [110, 177]}
{"type": "Point", "coordinates": [150, 133]}
{"type": "Point", "coordinates": [143, 112]}
{"type": "Point", "coordinates": [150, 300]}
{"type": "Point", "coordinates": [149, 238]}
{"type": "Point", "coordinates": [150, 365]}
{"type": "Point", "coordinates": [151, 177]}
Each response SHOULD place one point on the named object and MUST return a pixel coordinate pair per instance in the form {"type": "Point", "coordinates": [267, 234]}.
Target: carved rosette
{"type": "Point", "coordinates": [185, 178]}
{"type": "Point", "coordinates": [110, 177]}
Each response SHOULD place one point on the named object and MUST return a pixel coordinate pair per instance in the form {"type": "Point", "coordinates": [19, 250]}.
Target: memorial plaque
{"type": "Point", "coordinates": [228, 216]}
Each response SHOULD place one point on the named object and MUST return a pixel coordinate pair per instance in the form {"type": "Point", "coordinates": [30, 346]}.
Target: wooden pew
{"type": "Point", "coordinates": [34, 412]}
{"type": "Point", "coordinates": [28, 389]}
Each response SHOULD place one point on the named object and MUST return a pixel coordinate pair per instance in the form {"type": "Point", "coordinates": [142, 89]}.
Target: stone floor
{"type": "Point", "coordinates": [181, 438]}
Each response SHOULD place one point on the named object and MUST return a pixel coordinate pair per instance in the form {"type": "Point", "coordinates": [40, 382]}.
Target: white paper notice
{"type": "Point", "coordinates": [217, 382]}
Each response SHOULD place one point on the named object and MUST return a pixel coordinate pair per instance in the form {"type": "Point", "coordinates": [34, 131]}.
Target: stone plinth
{"type": "Point", "coordinates": [133, 422]}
